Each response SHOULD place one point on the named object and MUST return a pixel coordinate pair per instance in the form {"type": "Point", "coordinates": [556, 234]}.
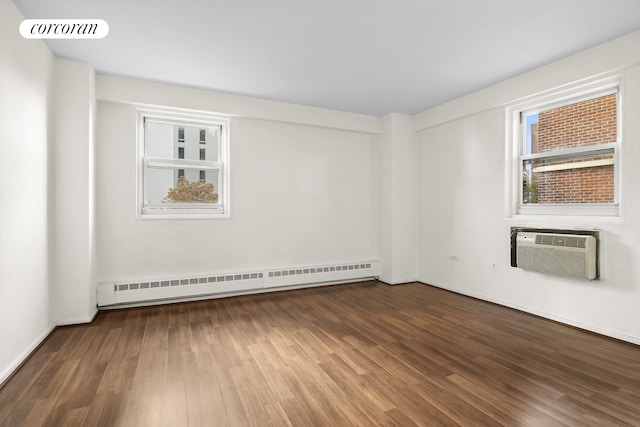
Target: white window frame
{"type": "Point", "coordinates": [219, 210]}
{"type": "Point", "coordinates": [516, 146]}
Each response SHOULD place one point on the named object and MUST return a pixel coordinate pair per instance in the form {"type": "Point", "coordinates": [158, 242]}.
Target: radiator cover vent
{"type": "Point", "coordinates": [119, 287]}
{"type": "Point", "coordinates": [111, 294]}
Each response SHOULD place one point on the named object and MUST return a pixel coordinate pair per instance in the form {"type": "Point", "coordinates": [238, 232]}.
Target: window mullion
{"type": "Point", "coordinates": [182, 163]}
{"type": "Point", "coordinates": [571, 152]}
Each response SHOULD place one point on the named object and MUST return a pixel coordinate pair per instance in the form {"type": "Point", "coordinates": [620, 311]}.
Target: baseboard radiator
{"type": "Point", "coordinates": [159, 290]}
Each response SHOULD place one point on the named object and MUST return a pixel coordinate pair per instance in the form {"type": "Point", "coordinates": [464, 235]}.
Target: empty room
{"type": "Point", "coordinates": [336, 213]}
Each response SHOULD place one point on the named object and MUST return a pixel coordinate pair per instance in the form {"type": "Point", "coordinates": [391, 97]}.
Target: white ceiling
{"type": "Point", "coordinates": [363, 56]}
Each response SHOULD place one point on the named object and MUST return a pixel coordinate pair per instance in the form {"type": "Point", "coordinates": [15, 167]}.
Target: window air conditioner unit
{"type": "Point", "coordinates": [565, 254]}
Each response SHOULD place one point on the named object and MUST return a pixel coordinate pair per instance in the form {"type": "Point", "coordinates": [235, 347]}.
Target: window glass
{"type": "Point", "coordinates": [568, 153]}
{"type": "Point", "coordinates": [166, 186]}
{"type": "Point", "coordinates": [183, 167]}
{"type": "Point", "coordinates": [582, 124]}
{"type": "Point", "coordinates": [588, 179]}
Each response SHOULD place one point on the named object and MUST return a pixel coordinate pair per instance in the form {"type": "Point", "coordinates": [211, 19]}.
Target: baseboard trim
{"type": "Point", "coordinates": [627, 339]}
{"type": "Point", "coordinates": [392, 283]}
{"type": "Point", "coordinates": [72, 322]}
{"type": "Point", "coordinates": [19, 362]}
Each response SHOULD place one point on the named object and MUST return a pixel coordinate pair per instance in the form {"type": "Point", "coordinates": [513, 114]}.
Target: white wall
{"type": "Point", "coordinates": [397, 199]}
{"type": "Point", "coordinates": [464, 224]}
{"type": "Point", "coordinates": [73, 293]}
{"type": "Point", "coordinates": [303, 188]}
{"type": "Point", "coordinates": [26, 73]}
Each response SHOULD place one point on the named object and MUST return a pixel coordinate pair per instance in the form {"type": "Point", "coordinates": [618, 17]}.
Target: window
{"type": "Point", "coordinates": [182, 181]}
{"type": "Point", "coordinates": [567, 151]}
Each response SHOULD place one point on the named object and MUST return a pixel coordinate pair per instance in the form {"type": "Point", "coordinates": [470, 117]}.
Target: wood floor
{"type": "Point", "coordinates": [358, 354]}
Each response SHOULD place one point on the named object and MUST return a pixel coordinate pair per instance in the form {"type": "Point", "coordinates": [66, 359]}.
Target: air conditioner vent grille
{"type": "Point", "coordinates": [564, 254]}
{"type": "Point", "coordinates": [555, 240]}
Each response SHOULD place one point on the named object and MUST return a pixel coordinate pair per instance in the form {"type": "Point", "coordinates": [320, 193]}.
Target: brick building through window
{"type": "Point", "coordinates": [578, 175]}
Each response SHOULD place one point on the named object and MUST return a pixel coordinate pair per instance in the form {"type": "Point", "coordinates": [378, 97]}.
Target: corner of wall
{"type": "Point", "coordinates": [74, 287]}
{"type": "Point", "coordinates": [26, 85]}
{"type": "Point", "coordinates": [397, 192]}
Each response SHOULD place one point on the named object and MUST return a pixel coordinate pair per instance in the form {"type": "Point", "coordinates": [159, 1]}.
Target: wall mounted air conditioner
{"type": "Point", "coordinates": [566, 254]}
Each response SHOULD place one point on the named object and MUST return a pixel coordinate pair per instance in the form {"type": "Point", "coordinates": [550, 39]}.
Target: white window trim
{"type": "Point", "coordinates": [515, 143]}
{"type": "Point", "coordinates": [220, 210]}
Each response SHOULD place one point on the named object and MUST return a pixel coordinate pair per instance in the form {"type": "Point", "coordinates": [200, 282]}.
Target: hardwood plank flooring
{"type": "Point", "coordinates": [358, 354]}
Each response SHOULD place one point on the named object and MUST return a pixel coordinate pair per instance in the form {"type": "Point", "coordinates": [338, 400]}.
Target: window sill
{"type": "Point", "coordinates": [568, 218]}
{"type": "Point", "coordinates": [173, 215]}
{"type": "Point", "coordinates": [573, 210]}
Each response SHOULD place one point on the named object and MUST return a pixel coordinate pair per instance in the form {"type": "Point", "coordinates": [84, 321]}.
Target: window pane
{"type": "Point", "coordinates": [212, 144]}
{"type": "Point", "coordinates": [164, 140]}
{"type": "Point", "coordinates": [588, 179]}
{"type": "Point", "coordinates": [165, 186]}
{"type": "Point", "coordinates": [161, 140]}
{"type": "Point", "coordinates": [582, 124]}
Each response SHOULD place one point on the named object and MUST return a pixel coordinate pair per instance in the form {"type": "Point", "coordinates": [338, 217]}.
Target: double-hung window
{"type": "Point", "coordinates": [567, 153]}
{"type": "Point", "coordinates": [175, 178]}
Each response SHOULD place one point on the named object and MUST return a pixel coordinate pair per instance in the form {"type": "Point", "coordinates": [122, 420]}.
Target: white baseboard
{"type": "Point", "coordinates": [113, 294]}
{"type": "Point", "coordinates": [18, 361]}
{"type": "Point", "coordinates": [570, 322]}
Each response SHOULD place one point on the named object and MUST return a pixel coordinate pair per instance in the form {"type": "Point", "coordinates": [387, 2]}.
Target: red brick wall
{"type": "Point", "coordinates": [564, 127]}
{"type": "Point", "coordinates": [588, 185]}
{"type": "Point", "coordinates": [582, 124]}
